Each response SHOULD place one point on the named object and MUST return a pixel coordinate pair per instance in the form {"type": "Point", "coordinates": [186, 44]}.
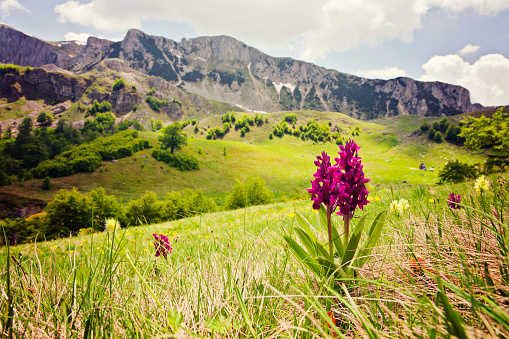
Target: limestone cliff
{"type": "Point", "coordinates": [225, 69]}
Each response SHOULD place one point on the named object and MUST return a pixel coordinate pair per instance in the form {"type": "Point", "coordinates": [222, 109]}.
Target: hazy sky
{"type": "Point", "coordinates": [464, 42]}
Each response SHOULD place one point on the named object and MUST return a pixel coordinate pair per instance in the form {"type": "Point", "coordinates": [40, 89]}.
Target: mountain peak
{"type": "Point", "coordinates": [226, 69]}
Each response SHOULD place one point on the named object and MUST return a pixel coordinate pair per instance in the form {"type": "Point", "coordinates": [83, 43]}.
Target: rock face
{"type": "Point", "coordinates": [54, 85]}
{"type": "Point", "coordinates": [22, 49]}
{"type": "Point", "coordinates": [40, 84]}
{"type": "Point", "coordinates": [225, 69]}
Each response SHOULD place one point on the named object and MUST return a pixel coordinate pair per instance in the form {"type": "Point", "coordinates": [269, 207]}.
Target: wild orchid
{"type": "Point", "coordinates": [351, 176]}
{"type": "Point", "coordinates": [340, 185]}
{"type": "Point", "coordinates": [453, 201]}
{"type": "Point", "coordinates": [340, 188]}
{"type": "Point", "coordinates": [162, 245]}
{"type": "Point", "coordinates": [326, 189]}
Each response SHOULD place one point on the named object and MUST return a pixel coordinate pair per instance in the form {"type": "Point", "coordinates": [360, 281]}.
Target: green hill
{"type": "Point", "coordinates": [391, 155]}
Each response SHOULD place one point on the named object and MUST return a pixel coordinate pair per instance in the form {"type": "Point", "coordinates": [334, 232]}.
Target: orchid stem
{"type": "Point", "coordinates": [346, 229]}
{"type": "Point", "coordinates": [329, 229]}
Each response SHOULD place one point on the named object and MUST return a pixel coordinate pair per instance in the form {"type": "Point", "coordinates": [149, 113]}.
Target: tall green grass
{"type": "Point", "coordinates": [436, 272]}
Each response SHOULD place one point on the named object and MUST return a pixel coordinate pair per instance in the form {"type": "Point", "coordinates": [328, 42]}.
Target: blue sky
{"type": "Point", "coordinates": [463, 42]}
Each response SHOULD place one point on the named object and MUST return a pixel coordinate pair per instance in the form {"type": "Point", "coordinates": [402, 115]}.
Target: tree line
{"type": "Point", "coordinates": [35, 145]}
{"type": "Point", "coordinates": [72, 212]}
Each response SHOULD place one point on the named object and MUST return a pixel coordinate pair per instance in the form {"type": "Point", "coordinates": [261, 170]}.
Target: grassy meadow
{"type": "Point", "coordinates": [230, 275]}
{"type": "Point", "coordinates": [436, 272]}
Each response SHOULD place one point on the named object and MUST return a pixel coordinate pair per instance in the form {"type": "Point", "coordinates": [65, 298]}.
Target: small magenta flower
{"type": "Point", "coordinates": [325, 188]}
{"type": "Point", "coordinates": [162, 245]}
{"type": "Point", "coordinates": [454, 200]}
{"type": "Point", "coordinates": [351, 177]}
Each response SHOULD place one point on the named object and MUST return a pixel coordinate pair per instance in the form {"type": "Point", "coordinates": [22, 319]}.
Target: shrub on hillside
{"type": "Point", "coordinates": [67, 213]}
{"type": "Point", "coordinates": [443, 124]}
{"type": "Point", "coordinates": [258, 119]}
{"type": "Point", "coordinates": [97, 107]}
{"type": "Point", "coordinates": [178, 102]}
{"type": "Point", "coordinates": [185, 204]}
{"type": "Point", "coordinates": [218, 132]}
{"type": "Point", "coordinates": [145, 210]}
{"type": "Point", "coordinates": [182, 162]}
{"type": "Point", "coordinates": [229, 117]}
{"type": "Point", "coordinates": [244, 122]}
{"type": "Point", "coordinates": [102, 122]}
{"type": "Point", "coordinates": [281, 129]}
{"type": "Point", "coordinates": [71, 211]}
{"type": "Point", "coordinates": [424, 127]}
{"type": "Point", "coordinates": [312, 130]}
{"type": "Point", "coordinates": [46, 183]}
{"type": "Point", "coordinates": [124, 125]}
{"type": "Point", "coordinates": [44, 118]}
{"type": "Point", "coordinates": [5, 179]}
{"type": "Point", "coordinates": [88, 157]}
{"type": "Point", "coordinates": [438, 137]}
{"type": "Point", "coordinates": [316, 132]}
{"type": "Point", "coordinates": [456, 171]}
{"type": "Point", "coordinates": [431, 133]}
{"type": "Point", "coordinates": [251, 192]}
{"type": "Point", "coordinates": [10, 69]}
{"type": "Point", "coordinates": [291, 118]}
{"type": "Point", "coordinates": [53, 168]}
{"type": "Point", "coordinates": [22, 231]}
{"type": "Point", "coordinates": [155, 103]}
{"type": "Point", "coordinates": [452, 134]}
{"type": "Point", "coordinates": [104, 207]}
{"type": "Point", "coordinates": [118, 84]}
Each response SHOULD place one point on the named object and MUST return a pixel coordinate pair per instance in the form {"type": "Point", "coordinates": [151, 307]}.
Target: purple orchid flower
{"type": "Point", "coordinates": [453, 201]}
{"type": "Point", "coordinates": [340, 185]}
{"type": "Point", "coordinates": [162, 245]}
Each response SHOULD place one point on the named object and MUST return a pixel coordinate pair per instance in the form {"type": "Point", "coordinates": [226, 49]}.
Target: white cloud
{"type": "Point", "coordinates": [310, 28]}
{"type": "Point", "coordinates": [7, 6]}
{"type": "Point", "coordinates": [468, 49]}
{"type": "Point", "coordinates": [482, 7]}
{"type": "Point", "coordinates": [486, 78]}
{"type": "Point", "coordinates": [71, 36]}
{"type": "Point", "coordinates": [382, 73]}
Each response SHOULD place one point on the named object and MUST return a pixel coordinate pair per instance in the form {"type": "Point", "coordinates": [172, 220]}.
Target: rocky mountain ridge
{"type": "Point", "coordinates": [225, 69]}
{"type": "Point", "coordinates": [62, 93]}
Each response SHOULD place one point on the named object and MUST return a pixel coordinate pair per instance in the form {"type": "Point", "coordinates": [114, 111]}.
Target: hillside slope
{"type": "Point", "coordinates": [390, 156]}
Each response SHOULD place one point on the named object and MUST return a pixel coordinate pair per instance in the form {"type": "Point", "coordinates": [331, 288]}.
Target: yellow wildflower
{"type": "Point", "coordinates": [399, 206]}
{"type": "Point", "coordinates": [481, 184]}
{"type": "Point", "coordinates": [111, 225]}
